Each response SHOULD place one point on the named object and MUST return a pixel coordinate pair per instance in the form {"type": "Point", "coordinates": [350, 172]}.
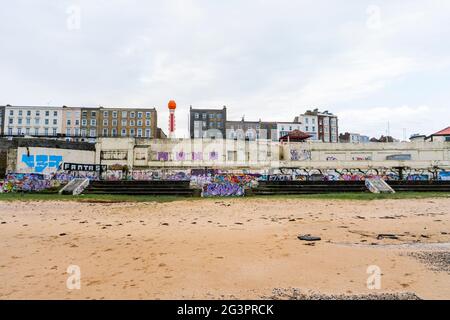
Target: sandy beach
{"type": "Point", "coordinates": [223, 248]}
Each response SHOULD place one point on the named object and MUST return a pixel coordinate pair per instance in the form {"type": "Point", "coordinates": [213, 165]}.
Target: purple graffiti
{"type": "Point", "coordinates": [163, 156]}
{"type": "Point", "coordinates": [213, 156]}
{"type": "Point", "coordinates": [223, 190]}
{"type": "Point", "coordinates": [180, 156]}
{"type": "Point", "coordinates": [25, 182]}
{"type": "Point", "coordinates": [197, 156]}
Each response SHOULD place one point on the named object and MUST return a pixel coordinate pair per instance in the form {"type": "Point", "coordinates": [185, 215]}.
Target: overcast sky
{"type": "Point", "coordinates": [369, 62]}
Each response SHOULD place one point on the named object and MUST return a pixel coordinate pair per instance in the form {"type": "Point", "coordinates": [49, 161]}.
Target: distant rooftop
{"type": "Point", "coordinates": [444, 132]}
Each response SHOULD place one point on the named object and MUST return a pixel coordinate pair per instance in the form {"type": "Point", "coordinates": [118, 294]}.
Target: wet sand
{"type": "Point", "coordinates": [223, 249]}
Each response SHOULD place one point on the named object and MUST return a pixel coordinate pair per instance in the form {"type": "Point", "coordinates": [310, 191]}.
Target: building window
{"type": "Point", "coordinates": [93, 122]}
{"type": "Point", "coordinates": [46, 122]}
{"type": "Point", "coordinates": [84, 122]}
{"type": "Point", "coordinates": [77, 122]}
{"type": "Point", "coordinates": [28, 121]}
{"type": "Point", "coordinates": [147, 123]}
{"type": "Point", "coordinates": [84, 113]}
{"type": "Point", "coordinates": [77, 132]}
{"type": "Point", "coordinates": [132, 132]}
{"type": "Point", "coordinates": [139, 133]}
{"type": "Point", "coordinates": [55, 122]}
{"type": "Point", "coordinates": [38, 113]}
{"type": "Point", "coordinates": [54, 131]}
{"type": "Point", "coordinates": [11, 112]}
{"type": "Point", "coordinates": [114, 114]}
{"type": "Point", "coordinates": [204, 116]}
{"type": "Point", "coordinates": [105, 122]}
{"type": "Point", "coordinates": [131, 114]}
{"type": "Point", "coordinates": [28, 113]}
{"type": "Point", "coordinates": [147, 115]}
{"type": "Point", "coordinates": [105, 114]}
{"type": "Point", "coordinates": [131, 123]}
{"type": "Point", "coordinates": [19, 121]}
{"type": "Point", "coordinates": [19, 131]}
{"type": "Point", "coordinates": [105, 132]}
{"type": "Point", "coordinates": [20, 113]}
{"type": "Point", "coordinates": [10, 120]}
{"type": "Point", "coordinates": [196, 116]}
{"type": "Point", "coordinates": [139, 115]}
{"type": "Point", "coordinates": [124, 132]}
{"type": "Point", "coordinates": [47, 113]}
{"type": "Point", "coordinates": [114, 132]}
{"type": "Point", "coordinates": [69, 122]}
{"type": "Point", "coordinates": [114, 123]}
{"type": "Point", "coordinates": [27, 131]}
{"type": "Point", "coordinates": [46, 131]}
{"type": "Point", "coordinates": [93, 114]}
{"type": "Point", "coordinates": [55, 113]}
{"type": "Point", "coordinates": [147, 133]}
{"type": "Point", "coordinates": [124, 122]}
{"type": "Point", "coordinates": [139, 123]}
{"type": "Point", "coordinates": [124, 114]}
{"type": "Point", "coordinates": [92, 133]}
{"type": "Point", "coordinates": [10, 131]}
{"type": "Point", "coordinates": [36, 131]}
{"type": "Point", "coordinates": [68, 132]}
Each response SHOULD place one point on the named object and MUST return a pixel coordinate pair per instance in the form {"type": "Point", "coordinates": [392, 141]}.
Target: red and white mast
{"type": "Point", "coordinates": [172, 106]}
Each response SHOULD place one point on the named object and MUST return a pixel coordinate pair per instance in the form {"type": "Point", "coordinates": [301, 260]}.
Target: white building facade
{"type": "Point", "coordinates": [283, 128]}
{"type": "Point", "coordinates": [32, 121]}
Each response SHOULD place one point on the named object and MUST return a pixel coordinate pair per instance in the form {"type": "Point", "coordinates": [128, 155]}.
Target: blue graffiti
{"type": "Point", "coordinates": [223, 190]}
{"type": "Point", "coordinates": [444, 176]}
{"type": "Point", "coordinates": [41, 162]}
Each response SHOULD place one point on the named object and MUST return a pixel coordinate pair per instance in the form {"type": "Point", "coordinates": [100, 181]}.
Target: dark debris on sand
{"type": "Point", "coordinates": [435, 260]}
{"type": "Point", "coordinates": [296, 294]}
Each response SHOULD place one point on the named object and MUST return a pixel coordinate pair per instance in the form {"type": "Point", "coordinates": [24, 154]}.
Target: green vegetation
{"type": "Point", "coordinates": [99, 198]}
{"type": "Point", "coordinates": [108, 198]}
{"type": "Point", "coordinates": [363, 196]}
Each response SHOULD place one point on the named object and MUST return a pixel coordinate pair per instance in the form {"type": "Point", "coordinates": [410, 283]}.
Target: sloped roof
{"type": "Point", "coordinates": [296, 135]}
{"type": "Point", "coordinates": [444, 132]}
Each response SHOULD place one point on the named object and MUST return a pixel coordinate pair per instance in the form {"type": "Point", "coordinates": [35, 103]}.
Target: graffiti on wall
{"type": "Point", "coordinates": [223, 190]}
{"type": "Point", "coordinates": [163, 156]}
{"type": "Point", "coordinates": [213, 156]}
{"type": "Point", "coordinates": [180, 156]}
{"type": "Point", "coordinates": [41, 162]}
{"type": "Point", "coordinates": [197, 156]}
{"type": "Point", "coordinates": [25, 182]}
{"type": "Point", "coordinates": [178, 176]}
{"type": "Point", "coordinates": [300, 155]}
{"type": "Point", "coordinates": [362, 158]}
{"type": "Point", "coordinates": [444, 176]}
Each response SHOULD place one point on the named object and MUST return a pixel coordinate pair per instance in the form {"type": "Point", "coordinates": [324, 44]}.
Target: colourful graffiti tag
{"type": "Point", "coordinates": [25, 182]}
{"type": "Point", "coordinates": [41, 162]}
{"type": "Point", "coordinates": [223, 190]}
